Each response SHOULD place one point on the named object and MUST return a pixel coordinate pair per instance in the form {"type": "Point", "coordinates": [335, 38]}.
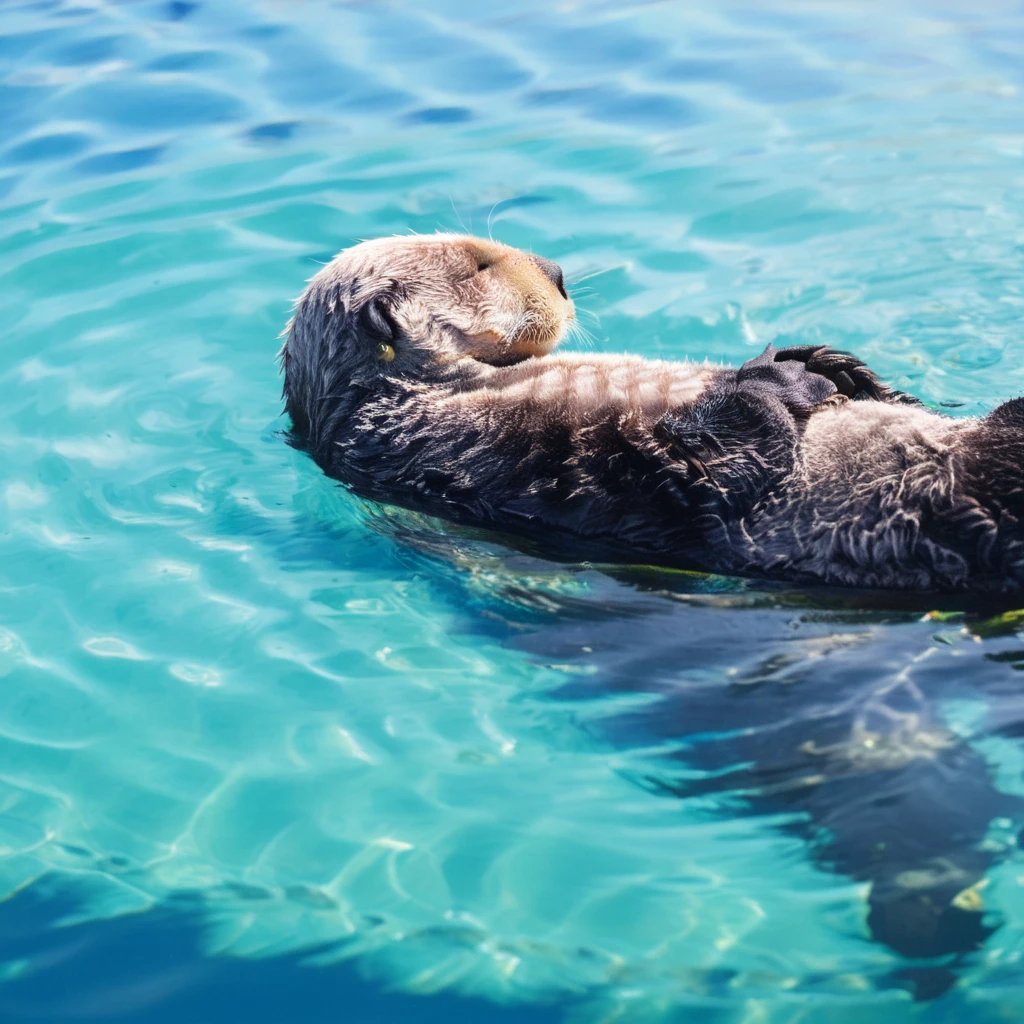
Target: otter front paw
{"type": "Point", "coordinates": [850, 375]}
{"type": "Point", "coordinates": [790, 381]}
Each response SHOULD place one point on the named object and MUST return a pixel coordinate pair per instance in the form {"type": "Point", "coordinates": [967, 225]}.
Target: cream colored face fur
{"type": "Point", "coordinates": [464, 296]}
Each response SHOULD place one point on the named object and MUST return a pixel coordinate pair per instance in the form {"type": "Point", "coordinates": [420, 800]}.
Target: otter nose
{"type": "Point", "coordinates": [553, 272]}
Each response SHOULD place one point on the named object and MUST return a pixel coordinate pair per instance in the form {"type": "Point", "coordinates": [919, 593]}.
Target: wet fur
{"type": "Point", "coordinates": [749, 472]}
{"type": "Point", "coordinates": [900, 497]}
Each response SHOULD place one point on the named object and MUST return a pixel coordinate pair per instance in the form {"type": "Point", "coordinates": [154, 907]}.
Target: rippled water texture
{"type": "Point", "coordinates": [324, 732]}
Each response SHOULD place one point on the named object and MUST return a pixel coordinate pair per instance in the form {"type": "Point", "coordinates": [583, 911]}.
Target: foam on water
{"type": "Point", "coordinates": [344, 730]}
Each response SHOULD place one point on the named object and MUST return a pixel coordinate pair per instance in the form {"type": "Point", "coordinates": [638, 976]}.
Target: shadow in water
{"type": "Point", "coordinates": [150, 968]}
{"type": "Point", "coordinates": [836, 709]}
{"type": "Point", "coordinates": [760, 703]}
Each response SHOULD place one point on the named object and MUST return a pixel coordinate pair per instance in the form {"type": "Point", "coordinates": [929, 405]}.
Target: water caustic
{"type": "Point", "coordinates": [342, 733]}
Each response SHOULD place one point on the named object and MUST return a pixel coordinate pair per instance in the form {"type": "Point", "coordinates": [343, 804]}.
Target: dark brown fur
{"type": "Point", "coordinates": [765, 470]}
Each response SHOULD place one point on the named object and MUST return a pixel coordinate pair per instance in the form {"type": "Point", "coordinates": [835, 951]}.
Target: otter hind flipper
{"type": "Point", "coordinates": [851, 376]}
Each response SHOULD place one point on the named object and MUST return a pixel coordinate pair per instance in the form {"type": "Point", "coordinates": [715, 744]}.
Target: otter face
{"type": "Point", "coordinates": [467, 297]}
{"type": "Point", "coordinates": [441, 298]}
{"type": "Point", "coordinates": [409, 307]}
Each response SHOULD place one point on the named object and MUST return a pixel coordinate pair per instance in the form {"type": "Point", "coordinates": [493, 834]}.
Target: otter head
{"type": "Point", "coordinates": [415, 309]}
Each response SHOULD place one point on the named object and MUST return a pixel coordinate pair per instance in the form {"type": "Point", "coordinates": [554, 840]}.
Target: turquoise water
{"type": "Point", "coordinates": [258, 738]}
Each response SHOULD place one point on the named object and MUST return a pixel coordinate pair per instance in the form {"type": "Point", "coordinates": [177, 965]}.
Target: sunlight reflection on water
{"type": "Point", "coordinates": [469, 769]}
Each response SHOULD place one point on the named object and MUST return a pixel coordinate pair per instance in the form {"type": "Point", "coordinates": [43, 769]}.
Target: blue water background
{"type": "Point", "coordinates": [267, 752]}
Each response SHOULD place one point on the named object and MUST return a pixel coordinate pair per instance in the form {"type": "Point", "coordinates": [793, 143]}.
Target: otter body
{"type": "Point", "coordinates": [895, 496]}
{"type": "Point", "coordinates": [598, 458]}
{"type": "Point", "coordinates": [417, 372]}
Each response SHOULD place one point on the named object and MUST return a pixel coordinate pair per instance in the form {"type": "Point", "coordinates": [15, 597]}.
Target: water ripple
{"type": "Point", "coordinates": [355, 731]}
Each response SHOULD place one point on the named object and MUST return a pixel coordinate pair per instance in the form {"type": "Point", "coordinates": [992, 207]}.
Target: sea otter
{"type": "Point", "coordinates": [417, 370]}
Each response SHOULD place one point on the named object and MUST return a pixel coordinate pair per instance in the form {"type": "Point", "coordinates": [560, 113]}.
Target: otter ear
{"type": "Point", "coordinates": [376, 321]}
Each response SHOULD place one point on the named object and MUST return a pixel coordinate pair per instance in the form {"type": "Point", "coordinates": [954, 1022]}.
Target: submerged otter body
{"type": "Point", "coordinates": [417, 371]}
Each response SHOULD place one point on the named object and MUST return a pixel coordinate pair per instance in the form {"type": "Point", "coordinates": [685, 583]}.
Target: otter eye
{"type": "Point", "coordinates": [385, 352]}
{"type": "Point", "coordinates": [482, 265]}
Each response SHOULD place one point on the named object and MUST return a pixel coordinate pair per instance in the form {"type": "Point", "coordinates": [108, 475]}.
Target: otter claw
{"type": "Point", "coordinates": [836, 399]}
{"type": "Point", "coordinates": [848, 373]}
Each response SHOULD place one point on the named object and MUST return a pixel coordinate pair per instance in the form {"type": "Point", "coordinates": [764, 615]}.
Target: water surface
{"type": "Point", "coordinates": [264, 749]}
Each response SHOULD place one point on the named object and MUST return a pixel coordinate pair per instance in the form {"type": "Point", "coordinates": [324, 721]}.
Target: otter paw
{"type": "Point", "coordinates": [798, 388]}
{"type": "Point", "coordinates": [850, 375]}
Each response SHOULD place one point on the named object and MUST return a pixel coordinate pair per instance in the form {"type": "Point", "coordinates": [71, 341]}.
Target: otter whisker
{"type": "Point", "coordinates": [512, 331]}
{"type": "Point", "coordinates": [597, 273]}
{"type": "Point", "coordinates": [490, 215]}
{"type": "Point", "coordinates": [529, 319]}
{"type": "Point", "coordinates": [465, 230]}
{"type": "Point", "coordinates": [577, 332]}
